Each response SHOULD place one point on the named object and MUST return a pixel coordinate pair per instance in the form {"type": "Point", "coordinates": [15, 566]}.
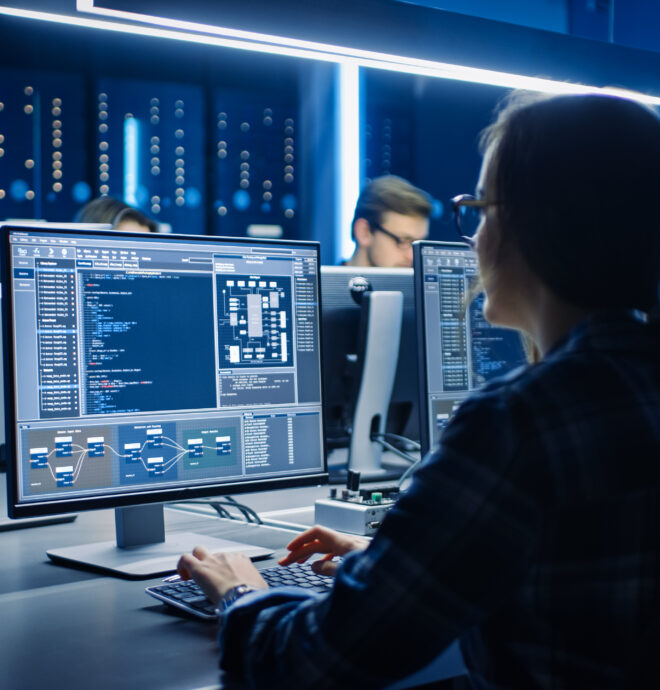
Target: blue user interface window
{"type": "Point", "coordinates": [149, 362]}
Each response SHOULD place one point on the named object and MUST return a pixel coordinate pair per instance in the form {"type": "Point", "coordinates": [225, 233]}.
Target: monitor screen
{"type": "Point", "coordinates": [342, 369]}
{"type": "Point", "coordinates": [145, 368]}
{"type": "Point", "coordinates": [459, 349]}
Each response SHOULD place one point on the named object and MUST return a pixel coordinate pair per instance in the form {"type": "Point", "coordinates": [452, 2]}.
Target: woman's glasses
{"type": "Point", "coordinates": [468, 213]}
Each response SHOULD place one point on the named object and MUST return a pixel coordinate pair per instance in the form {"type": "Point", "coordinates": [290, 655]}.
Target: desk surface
{"type": "Point", "coordinates": [66, 628]}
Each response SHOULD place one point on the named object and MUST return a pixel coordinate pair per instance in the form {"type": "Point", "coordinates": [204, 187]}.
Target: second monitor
{"type": "Point", "coordinates": [341, 315]}
{"type": "Point", "coordinates": [459, 349]}
{"type": "Point", "coordinates": [361, 334]}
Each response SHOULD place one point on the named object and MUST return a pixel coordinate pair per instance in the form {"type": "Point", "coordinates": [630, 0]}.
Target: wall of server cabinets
{"type": "Point", "coordinates": [204, 145]}
{"type": "Point", "coordinates": [211, 140]}
{"type": "Point", "coordinates": [215, 140]}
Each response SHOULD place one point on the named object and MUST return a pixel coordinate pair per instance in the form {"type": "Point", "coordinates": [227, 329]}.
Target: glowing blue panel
{"type": "Point", "coordinates": [81, 192]}
{"type": "Point", "coordinates": [131, 157]}
{"type": "Point", "coordinates": [241, 200]}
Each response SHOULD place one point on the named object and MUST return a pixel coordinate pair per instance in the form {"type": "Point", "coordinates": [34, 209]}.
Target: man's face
{"type": "Point", "coordinates": [389, 244]}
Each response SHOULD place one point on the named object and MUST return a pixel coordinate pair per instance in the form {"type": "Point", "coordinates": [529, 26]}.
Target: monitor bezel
{"type": "Point", "coordinates": [420, 312]}
{"type": "Point", "coordinates": [17, 509]}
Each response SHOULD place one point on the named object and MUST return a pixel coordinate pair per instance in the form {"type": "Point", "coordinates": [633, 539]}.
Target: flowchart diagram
{"type": "Point", "coordinates": [255, 325]}
{"type": "Point", "coordinates": [100, 457]}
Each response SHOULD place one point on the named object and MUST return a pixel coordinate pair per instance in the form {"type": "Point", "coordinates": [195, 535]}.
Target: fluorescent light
{"type": "Point", "coordinates": [279, 45]}
{"type": "Point", "coordinates": [367, 58]}
{"type": "Point", "coordinates": [131, 171]}
{"type": "Point", "coordinates": [139, 30]}
{"type": "Point", "coordinates": [348, 165]}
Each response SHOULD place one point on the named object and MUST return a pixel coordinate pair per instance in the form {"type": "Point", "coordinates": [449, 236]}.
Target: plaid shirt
{"type": "Point", "coordinates": [532, 534]}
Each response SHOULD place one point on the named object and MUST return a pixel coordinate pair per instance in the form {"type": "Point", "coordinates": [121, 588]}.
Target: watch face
{"type": "Point", "coordinates": [233, 594]}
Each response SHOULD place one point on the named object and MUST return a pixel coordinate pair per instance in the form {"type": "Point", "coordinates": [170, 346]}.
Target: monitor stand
{"type": "Point", "coordinates": [382, 312]}
{"type": "Point", "coordinates": [142, 549]}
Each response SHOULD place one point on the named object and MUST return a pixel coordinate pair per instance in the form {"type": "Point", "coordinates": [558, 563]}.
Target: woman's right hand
{"type": "Point", "coordinates": [323, 540]}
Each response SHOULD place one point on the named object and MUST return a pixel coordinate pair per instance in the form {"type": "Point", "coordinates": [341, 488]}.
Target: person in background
{"type": "Point", "coordinates": [531, 533]}
{"type": "Point", "coordinates": [121, 216]}
{"type": "Point", "coordinates": [389, 216]}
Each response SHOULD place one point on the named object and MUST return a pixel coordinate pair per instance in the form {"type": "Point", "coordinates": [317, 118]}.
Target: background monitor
{"type": "Point", "coordinates": [342, 368]}
{"type": "Point", "coordinates": [459, 349]}
{"type": "Point", "coordinates": [144, 368]}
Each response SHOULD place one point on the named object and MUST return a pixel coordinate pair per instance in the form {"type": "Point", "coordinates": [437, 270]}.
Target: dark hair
{"type": "Point", "coordinates": [577, 178]}
{"type": "Point", "coordinates": [391, 193]}
{"type": "Point", "coordinates": [111, 211]}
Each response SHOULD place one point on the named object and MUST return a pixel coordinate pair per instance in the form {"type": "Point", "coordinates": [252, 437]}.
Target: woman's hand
{"type": "Point", "coordinates": [322, 540]}
{"type": "Point", "coordinates": [217, 573]}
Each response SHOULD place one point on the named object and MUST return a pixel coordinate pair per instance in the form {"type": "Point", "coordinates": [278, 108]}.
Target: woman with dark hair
{"type": "Point", "coordinates": [121, 216]}
{"type": "Point", "coordinates": [532, 532]}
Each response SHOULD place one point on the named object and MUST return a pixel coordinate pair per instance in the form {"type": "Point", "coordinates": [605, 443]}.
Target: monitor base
{"type": "Point", "coordinates": [148, 560]}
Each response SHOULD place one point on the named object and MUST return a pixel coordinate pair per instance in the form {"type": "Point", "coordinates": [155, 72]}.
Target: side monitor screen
{"type": "Point", "coordinates": [460, 350]}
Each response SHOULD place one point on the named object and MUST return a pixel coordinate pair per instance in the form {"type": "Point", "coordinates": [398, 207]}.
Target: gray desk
{"type": "Point", "coordinates": [66, 629]}
{"type": "Point", "coordinates": [63, 628]}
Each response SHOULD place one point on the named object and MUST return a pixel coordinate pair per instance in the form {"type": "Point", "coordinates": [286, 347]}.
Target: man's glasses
{"type": "Point", "coordinates": [468, 212]}
{"type": "Point", "coordinates": [401, 242]}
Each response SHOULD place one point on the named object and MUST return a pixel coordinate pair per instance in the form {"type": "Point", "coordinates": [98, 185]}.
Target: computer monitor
{"type": "Point", "coordinates": [144, 368]}
{"type": "Point", "coordinates": [342, 368]}
{"type": "Point", "coordinates": [458, 349]}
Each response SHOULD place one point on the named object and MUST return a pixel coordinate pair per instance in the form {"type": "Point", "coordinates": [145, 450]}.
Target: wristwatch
{"type": "Point", "coordinates": [231, 595]}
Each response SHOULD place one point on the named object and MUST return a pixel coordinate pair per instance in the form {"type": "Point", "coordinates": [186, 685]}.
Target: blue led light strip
{"type": "Point", "coordinates": [131, 169]}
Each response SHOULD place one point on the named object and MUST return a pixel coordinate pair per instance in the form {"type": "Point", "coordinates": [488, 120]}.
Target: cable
{"type": "Point", "coordinates": [245, 510]}
{"type": "Point", "coordinates": [248, 514]}
{"type": "Point", "coordinates": [393, 449]}
{"type": "Point", "coordinates": [220, 510]}
{"type": "Point", "coordinates": [408, 442]}
{"type": "Point", "coordinates": [215, 505]}
{"type": "Point", "coordinates": [408, 472]}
